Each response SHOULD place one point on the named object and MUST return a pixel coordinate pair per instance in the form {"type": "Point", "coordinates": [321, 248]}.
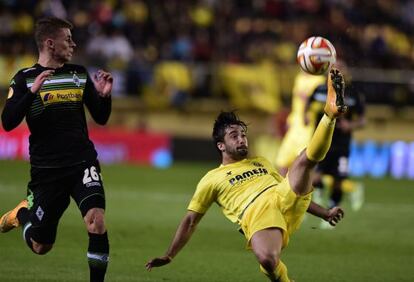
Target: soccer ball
{"type": "Point", "coordinates": [316, 54]}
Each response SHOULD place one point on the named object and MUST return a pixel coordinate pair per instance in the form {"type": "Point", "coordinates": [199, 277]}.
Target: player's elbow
{"type": "Point", "coordinates": [192, 219]}
{"type": "Point", "coordinates": [8, 126]}
{"type": "Point", "coordinates": [103, 120]}
{"type": "Point", "coordinates": [191, 223]}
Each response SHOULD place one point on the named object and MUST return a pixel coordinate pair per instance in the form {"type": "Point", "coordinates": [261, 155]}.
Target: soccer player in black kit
{"type": "Point", "coordinates": [51, 95]}
{"type": "Point", "coordinates": [336, 162]}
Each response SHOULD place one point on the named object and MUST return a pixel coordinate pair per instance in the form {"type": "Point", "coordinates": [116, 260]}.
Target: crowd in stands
{"type": "Point", "coordinates": [176, 47]}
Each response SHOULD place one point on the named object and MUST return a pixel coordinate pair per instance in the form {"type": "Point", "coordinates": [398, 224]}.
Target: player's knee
{"type": "Point", "coordinates": [41, 249]}
{"type": "Point", "coordinates": [95, 221]}
{"type": "Point", "coordinates": [269, 261]}
{"type": "Point", "coordinates": [303, 161]}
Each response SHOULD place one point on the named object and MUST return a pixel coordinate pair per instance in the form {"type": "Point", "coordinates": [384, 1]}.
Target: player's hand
{"type": "Point", "coordinates": [335, 215]}
{"type": "Point", "coordinates": [103, 83]}
{"type": "Point", "coordinates": [40, 79]}
{"type": "Point", "coordinates": [157, 262]}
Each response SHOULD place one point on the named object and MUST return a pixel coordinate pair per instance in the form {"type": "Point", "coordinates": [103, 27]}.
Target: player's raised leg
{"type": "Point", "coordinates": [300, 173]}
{"type": "Point", "coordinates": [20, 216]}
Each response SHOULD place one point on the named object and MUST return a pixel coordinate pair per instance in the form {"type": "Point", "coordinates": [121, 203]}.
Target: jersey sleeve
{"type": "Point", "coordinates": [99, 107]}
{"type": "Point", "coordinates": [203, 197]}
{"type": "Point", "coordinates": [19, 100]}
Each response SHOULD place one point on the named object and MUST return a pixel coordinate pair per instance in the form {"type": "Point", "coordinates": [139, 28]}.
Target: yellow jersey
{"type": "Point", "coordinates": [234, 186]}
{"type": "Point", "coordinates": [304, 86]}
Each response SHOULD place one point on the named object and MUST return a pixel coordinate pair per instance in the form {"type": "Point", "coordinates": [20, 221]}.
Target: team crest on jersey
{"type": "Point", "coordinates": [76, 80]}
{"type": "Point", "coordinates": [257, 164]}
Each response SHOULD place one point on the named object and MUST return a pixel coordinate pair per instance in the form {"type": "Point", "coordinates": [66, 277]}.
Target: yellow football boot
{"type": "Point", "coordinates": [335, 101]}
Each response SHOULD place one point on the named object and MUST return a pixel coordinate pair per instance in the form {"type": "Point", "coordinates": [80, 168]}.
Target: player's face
{"type": "Point", "coordinates": [63, 46]}
{"type": "Point", "coordinates": [235, 142]}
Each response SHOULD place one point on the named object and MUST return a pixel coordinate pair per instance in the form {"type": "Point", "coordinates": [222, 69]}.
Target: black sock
{"type": "Point", "coordinates": [98, 256]}
{"type": "Point", "coordinates": [23, 216]}
{"type": "Point", "coordinates": [27, 230]}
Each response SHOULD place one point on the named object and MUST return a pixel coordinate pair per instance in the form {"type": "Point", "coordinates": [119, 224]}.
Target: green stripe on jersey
{"type": "Point", "coordinates": [61, 76]}
{"type": "Point", "coordinates": [61, 86]}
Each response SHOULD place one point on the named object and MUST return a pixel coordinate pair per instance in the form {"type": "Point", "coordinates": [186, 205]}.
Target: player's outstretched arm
{"type": "Point", "coordinates": [333, 215]}
{"type": "Point", "coordinates": [183, 234]}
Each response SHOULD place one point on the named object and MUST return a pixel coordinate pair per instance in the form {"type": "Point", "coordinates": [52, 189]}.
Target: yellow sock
{"type": "Point", "coordinates": [279, 275]}
{"type": "Point", "coordinates": [348, 186]}
{"type": "Point", "coordinates": [328, 181]}
{"type": "Point", "coordinates": [321, 139]}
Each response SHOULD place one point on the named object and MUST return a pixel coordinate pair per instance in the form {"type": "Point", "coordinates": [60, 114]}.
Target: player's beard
{"type": "Point", "coordinates": [63, 56]}
{"type": "Point", "coordinates": [238, 153]}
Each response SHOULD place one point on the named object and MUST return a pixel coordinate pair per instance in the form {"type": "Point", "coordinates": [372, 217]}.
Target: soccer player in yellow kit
{"type": "Point", "coordinates": [299, 131]}
{"type": "Point", "coordinates": [267, 207]}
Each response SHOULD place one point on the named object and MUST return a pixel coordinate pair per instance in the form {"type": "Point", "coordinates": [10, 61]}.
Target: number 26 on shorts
{"type": "Point", "coordinates": [90, 174]}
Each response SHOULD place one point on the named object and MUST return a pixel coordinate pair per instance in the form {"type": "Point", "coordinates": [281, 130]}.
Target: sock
{"type": "Point", "coordinates": [27, 234]}
{"type": "Point", "coordinates": [279, 275]}
{"type": "Point", "coordinates": [98, 256]}
{"type": "Point", "coordinates": [348, 186]}
{"type": "Point", "coordinates": [336, 197]}
{"type": "Point", "coordinates": [23, 216]}
{"type": "Point", "coordinates": [321, 139]}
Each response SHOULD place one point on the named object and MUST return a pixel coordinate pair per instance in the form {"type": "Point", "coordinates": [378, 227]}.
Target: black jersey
{"type": "Point", "coordinates": [356, 107]}
{"type": "Point", "coordinates": [55, 114]}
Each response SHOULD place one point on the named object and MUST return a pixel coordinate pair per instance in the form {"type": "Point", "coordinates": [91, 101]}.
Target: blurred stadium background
{"type": "Point", "coordinates": [176, 64]}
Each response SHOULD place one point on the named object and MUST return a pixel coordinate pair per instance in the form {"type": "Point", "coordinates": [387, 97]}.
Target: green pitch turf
{"type": "Point", "coordinates": [145, 205]}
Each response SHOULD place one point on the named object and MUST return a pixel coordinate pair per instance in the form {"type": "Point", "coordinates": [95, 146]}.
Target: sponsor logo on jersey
{"type": "Point", "coordinates": [61, 96]}
{"type": "Point", "coordinates": [47, 97]}
{"type": "Point", "coordinates": [239, 178]}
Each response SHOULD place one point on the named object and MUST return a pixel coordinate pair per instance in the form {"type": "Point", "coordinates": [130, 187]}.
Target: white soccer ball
{"type": "Point", "coordinates": [316, 55]}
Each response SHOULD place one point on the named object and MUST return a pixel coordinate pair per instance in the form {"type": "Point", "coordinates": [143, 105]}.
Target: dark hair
{"type": "Point", "coordinates": [49, 27]}
{"type": "Point", "coordinates": [223, 120]}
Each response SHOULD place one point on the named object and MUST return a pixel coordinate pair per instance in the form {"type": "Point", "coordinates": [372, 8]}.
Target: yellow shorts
{"type": "Point", "coordinates": [295, 140]}
{"type": "Point", "coordinates": [277, 207]}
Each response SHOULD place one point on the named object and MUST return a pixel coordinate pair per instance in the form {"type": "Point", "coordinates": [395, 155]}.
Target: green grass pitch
{"type": "Point", "coordinates": [144, 207]}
